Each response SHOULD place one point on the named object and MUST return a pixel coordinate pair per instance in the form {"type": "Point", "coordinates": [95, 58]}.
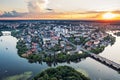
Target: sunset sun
{"type": "Point", "coordinates": [109, 16]}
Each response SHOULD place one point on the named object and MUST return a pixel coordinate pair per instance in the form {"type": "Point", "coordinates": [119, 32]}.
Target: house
{"type": "Point", "coordinates": [89, 43]}
{"type": "Point", "coordinates": [96, 42]}
{"type": "Point", "coordinates": [68, 48]}
{"type": "Point", "coordinates": [46, 40]}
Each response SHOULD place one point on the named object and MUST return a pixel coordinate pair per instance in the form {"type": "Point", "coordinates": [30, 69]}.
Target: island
{"type": "Point", "coordinates": [60, 73]}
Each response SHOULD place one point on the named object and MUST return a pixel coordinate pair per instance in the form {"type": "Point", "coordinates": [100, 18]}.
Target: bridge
{"type": "Point", "coordinates": [105, 61]}
{"type": "Point", "coordinates": [99, 58]}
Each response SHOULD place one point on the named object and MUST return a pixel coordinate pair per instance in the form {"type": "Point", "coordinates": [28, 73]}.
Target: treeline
{"type": "Point", "coordinates": [61, 57]}
{"type": "Point", "coordinates": [61, 73]}
{"type": "Point", "coordinates": [22, 49]}
{"type": "Point", "coordinates": [97, 50]}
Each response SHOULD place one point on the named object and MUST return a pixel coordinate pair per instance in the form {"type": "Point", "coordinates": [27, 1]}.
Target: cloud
{"type": "Point", "coordinates": [49, 9]}
{"type": "Point", "coordinates": [12, 14]}
{"type": "Point", "coordinates": [37, 6]}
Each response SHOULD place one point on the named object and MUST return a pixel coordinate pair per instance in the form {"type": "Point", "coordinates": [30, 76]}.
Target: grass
{"type": "Point", "coordinates": [24, 76]}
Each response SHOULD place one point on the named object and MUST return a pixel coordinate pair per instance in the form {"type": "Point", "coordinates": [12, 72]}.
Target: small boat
{"type": "Point", "coordinates": [6, 48]}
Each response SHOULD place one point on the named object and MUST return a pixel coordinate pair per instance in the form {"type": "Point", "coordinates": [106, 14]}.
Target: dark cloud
{"type": "Point", "coordinates": [49, 9]}
{"type": "Point", "coordinates": [12, 14]}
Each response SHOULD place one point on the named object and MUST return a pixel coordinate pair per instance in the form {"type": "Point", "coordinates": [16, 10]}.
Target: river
{"type": "Point", "coordinates": [11, 64]}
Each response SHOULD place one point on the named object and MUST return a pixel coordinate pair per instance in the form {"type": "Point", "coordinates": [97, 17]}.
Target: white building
{"type": "Point", "coordinates": [6, 33]}
{"type": "Point", "coordinates": [46, 40]}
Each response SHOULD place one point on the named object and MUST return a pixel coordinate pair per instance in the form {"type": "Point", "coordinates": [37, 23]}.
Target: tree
{"type": "Point", "coordinates": [54, 78]}
{"type": "Point", "coordinates": [46, 77]}
{"type": "Point", "coordinates": [61, 73]}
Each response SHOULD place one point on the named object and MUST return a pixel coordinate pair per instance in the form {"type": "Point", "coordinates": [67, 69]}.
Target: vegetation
{"type": "Point", "coordinates": [49, 58]}
{"type": "Point", "coordinates": [81, 40]}
{"type": "Point", "coordinates": [21, 47]}
{"type": "Point", "coordinates": [61, 57]}
{"type": "Point", "coordinates": [113, 40]}
{"type": "Point", "coordinates": [0, 33]}
{"type": "Point", "coordinates": [71, 39]}
{"type": "Point", "coordinates": [118, 72]}
{"type": "Point", "coordinates": [118, 33]}
{"type": "Point", "coordinates": [98, 50]}
{"type": "Point", "coordinates": [24, 76]}
{"type": "Point", "coordinates": [15, 33]}
{"type": "Point", "coordinates": [35, 57]}
{"type": "Point", "coordinates": [56, 48]}
{"type": "Point", "coordinates": [61, 73]}
{"type": "Point", "coordinates": [110, 38]}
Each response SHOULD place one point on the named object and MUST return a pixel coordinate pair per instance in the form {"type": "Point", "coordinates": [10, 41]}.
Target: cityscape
{"type": "Point", "coordinates": [47, 40]}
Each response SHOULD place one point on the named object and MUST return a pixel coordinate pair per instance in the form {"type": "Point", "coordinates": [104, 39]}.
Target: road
{"type": "Point", "coordinates": [99, 58]}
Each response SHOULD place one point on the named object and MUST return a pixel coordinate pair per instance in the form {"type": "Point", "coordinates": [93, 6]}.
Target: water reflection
{"type": "Point", "coordinates": [95, 70]}
{"type": "Point", "coordinates": [11, 64]}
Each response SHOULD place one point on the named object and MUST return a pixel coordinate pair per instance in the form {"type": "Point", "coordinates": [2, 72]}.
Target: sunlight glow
{"type": "Point", "coordinates": [109, 15]}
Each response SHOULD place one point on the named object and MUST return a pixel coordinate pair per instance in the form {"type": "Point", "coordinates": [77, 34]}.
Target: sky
{"type": "Point", "coordinates": [57, 9]}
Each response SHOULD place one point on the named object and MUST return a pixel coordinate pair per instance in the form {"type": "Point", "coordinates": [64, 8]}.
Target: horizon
{"type": "Point", "coordinates": [49, 9]}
